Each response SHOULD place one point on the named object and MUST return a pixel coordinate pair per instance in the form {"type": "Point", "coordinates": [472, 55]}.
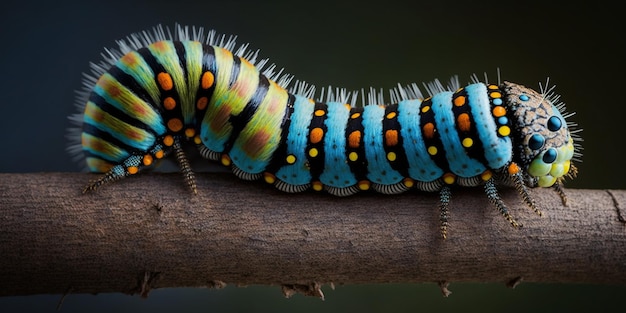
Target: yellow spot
{"type": "Point", "coordinates": [319, 113]}
{"type": "Point", "coordinates": [132, 170]}
{"type": "Point", "coordinates": [147, 160]}
{"type": "Point", "coordinates": [291, 159]}
{"type": "Point", "coordinates": [175, 125]}
{"type": "Point", "coordinates": [269, 178]}
{"type": "Point", "coordinates": [504, 131]}
{"type": "Point", "coordinates": [408, 182]}
{"type": "Point", "coordinates": [459, 101]}
{"type": "Point", "coordinates": [495, 94]}
{"type": "Point", "coordinates": [202, 103]}
{"type": "Point", "coordinates": [391, 156]}
{"type": "Point", "coordinates": [159, 154]}
{"type": "Point", "coordinates": [313, 152]}
{"type": "Point", "coordinates": [190, 132]}
{"type": "Point", "coordinates": [348, 106]}
{"type": "Point", "coordinates": [353, 156]}
{"type": "Point", "coordinates": [391, 115]}
{"type": "Point", "coordinates": [169, 103]}
{"type": "Point", "coordinates": [168, 140]}
{"type": "Point", "coordinates": [425, 108]}
{"type": "Point", "coordinates": [165, 81]}
{"type": "Point", "coordinates": [316, 135]}
{"type": "Point", "coordinates": [492, 87]}
{"type": "Point", "coordinates": [467, 142]}
{"type": "Point", "coordinates": [391, 137]}
{"type": "Point", "coordinates": [355, 115]}
{"type": "Point", "coordinates": [225, 159]}
{"type": "Point", "coordinates": [364, 185]}
{"type": "Point", "coordinates": [486, 175]}
{"type": "Point", "coordinates": [432, 150]}
{"type": "Point", "coordinates": [317, 186]}
{"type": "Point", "coordinates": [207, 80]}
{"type": "Point", "coordinates": [429, 130]}
{"type": "Point", "coordinates": [354, 139]}
{"type": "Point", "coordinates": [449, 178]}
{"type": "Point", "coordinates": [498, 111]}
{"type": "Point", "coordinates": [463, 122]}
{"type": "Point", "coordinates": [197, 140]}
{"type": "Point", "coordinates": [513, 168]}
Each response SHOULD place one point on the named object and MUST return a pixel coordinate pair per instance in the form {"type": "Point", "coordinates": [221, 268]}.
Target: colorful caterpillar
{"type": "Point", "coordinates": [161, 90]}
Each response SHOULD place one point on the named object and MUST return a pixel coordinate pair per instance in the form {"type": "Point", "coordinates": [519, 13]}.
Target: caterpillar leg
{"type": "Point", "coordinates": [496, 200]}
{"type": "Point", "coordinates": [518, 181]}
{"type": "Point", "coordinates": [185, 168]}
{"type": "Point", "coordinates": [444, 195]}
{"type": "Point", "coordinates": [558, 187]}
{"type": "Point", "coordinates": [116, 173]}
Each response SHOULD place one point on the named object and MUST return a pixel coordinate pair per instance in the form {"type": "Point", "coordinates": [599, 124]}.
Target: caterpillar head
{"type": "Point", "coordinates": [544, 142]}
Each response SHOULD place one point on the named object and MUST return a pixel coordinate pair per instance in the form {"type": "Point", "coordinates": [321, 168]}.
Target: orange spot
{"type": "Point", "coordinates": [354, 139]}
{"type": "Point", "coordinates": [459, 101]}
{"type": "Point", "coordinates": [159, 154]}
{"type": "Point", "coordinates": [132, 170]}
{"type": "Point", "coordinates": [449, 178]}
{"type": "Point", "coordinates": [269, 177]}
{"type": "Point", "coordinates": [319, 112]}
{"type": "Point", "coordinates": [408, 182]}
{"type": "Point", "coordinates": [492, 87]}
{"type": "Point", "coordinates": [165, 81]}
{"type": "Point", "coordinates": [202, 103]}
{"type": "Point", "coordinates": [355, 115]}
{"type": "Point", "coordinates": [425, 108]}
{"type": "Point", "coordinates": [316, 135]}
{"type": "Point", "coordinates": [197, 140]}
{"type": "Point", "coordinates": [168, 141]}
{"type": "Point", "coordinates": [190, 132]}
{"type": "Point", "coordinates": [486, 175]}
{"type": "Point", "coordinates": [495, 94]}
{"type": "Point", "coordinates": [391, 137]}
{"type": "Point", "coordinates": [207, 80]}
{"type": "Point", "coordinates": [499, 111]}
{"type": "Point", "coordinates": [429, 130]}
{"type": "Point", "coordinates": [391, 115]}
{"type": "Point", "coordinates": [169, 103]}
{"type": "Point", "coordinates": [513, 168]}
{"type": "Point", "coordinates": [463, 122]}
{"type": "Point", "coordinates": [225, 160]}
{"type": "Point", "coordinates": [364, 184]}
{"type": "Point", "coordinates": [317, 185]}
{"type": "Point", "coordinates": [348, 106]}
{"type": "Point", "coordinates": [129, 59]}
{"type": "Point", "coordinates": [175, 125]}
{"type": "Point", "coordinates": [147, 159]}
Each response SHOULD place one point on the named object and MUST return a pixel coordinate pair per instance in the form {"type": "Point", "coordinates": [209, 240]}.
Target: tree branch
{"type": "Point", "coordinates": [149, 232]}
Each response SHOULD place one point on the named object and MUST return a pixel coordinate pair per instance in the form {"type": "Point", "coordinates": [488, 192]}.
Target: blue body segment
{"type": "Point", "coordinates": [421, 165]}
{"type": "Point", "coordinates": [379, 169]}
{"type": "Point", "coordinates": [498, 150]}
{"type": "Point", "coordinates": [336, 172]}
{"type": "Point", "coordinates": [298, 173]}
{"type": "Point", "coordinates": [458, 161]}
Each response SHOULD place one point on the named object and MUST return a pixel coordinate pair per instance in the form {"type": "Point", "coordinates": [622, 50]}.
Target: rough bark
{"type": "Point", "coordinates": [149, 232]}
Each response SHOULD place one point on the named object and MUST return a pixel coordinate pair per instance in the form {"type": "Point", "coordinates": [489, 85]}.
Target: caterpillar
{"type": "Point", "coordinates": [161, 90]}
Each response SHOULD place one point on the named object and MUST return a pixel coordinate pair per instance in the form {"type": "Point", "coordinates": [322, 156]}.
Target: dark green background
{"type": "Point", "coordinates": [46, 46]}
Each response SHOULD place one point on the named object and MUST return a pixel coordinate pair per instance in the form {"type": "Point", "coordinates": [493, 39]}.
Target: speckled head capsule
{"type": "Point", "coordinates": [544, 142]}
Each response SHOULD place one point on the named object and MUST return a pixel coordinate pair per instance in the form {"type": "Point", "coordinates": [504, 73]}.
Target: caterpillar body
{"type": "Point", "coordinates": [161, 90]}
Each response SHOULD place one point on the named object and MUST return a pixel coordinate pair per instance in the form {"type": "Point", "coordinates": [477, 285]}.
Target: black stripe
{"type": "Point", "coordinates": [240, 121]}
{"type": "Point", "coordinates": [107, 107]}
{"type": "Point", "coordinates": [234, 73]}
{"type": "Point", "coordinates": [316, 164]}
{"type": "Point", "coordinates": [429, 117]}
{"type": "Point", "coordinates": [92, 130]}
{"type": "Point", "coordinates": [358, 167]}
{"type": "Point", "coordinates": [401, 163]}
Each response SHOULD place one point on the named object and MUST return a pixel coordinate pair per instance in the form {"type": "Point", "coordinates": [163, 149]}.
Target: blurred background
{"type": "Point", "coordinates": [46, 45]}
